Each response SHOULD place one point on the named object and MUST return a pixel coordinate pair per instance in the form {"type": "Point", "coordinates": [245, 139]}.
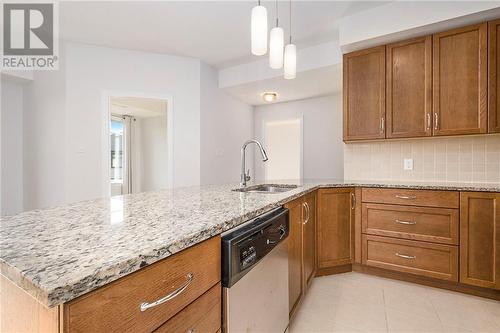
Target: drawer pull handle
{"type": "Point", "coordinates": [406, 222]}
{"type": "Point", "coordinates": [406, 197]}
{"type": "Point", "coordinates": [173, 294]}
{"type": "Point", "coordinates": [405, 256]}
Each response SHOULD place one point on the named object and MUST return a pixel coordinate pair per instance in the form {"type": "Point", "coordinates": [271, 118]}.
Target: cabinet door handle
{"type": "Point", "coordinates": [308, 212]}
{"type": "Point", "coordinates": [382, 125]}
{"type": "Point", "coordinates": [436, 121]}
{"type": "Point", "coordinates": [406, 197]}
{"type": "Point", "coordinates": [189, 278]}
{"type": "Point", "coordinates": [405, 256]}
{"type": "Point", "coordinates": [406, 222]}
{"type": "Point", "coordinates": [353, 201]}
{"type": "Point", "coordinates": [428, 121]}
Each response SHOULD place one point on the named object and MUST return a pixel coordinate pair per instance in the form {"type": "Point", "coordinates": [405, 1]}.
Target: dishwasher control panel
{"type": "Point", "coordinates": [247, 245]}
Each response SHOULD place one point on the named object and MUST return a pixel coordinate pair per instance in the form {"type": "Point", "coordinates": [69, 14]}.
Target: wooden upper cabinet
{"type": "Point", "coordinates": [480, 239]}
{"type": "Point", "coordinates": [494, 77]}
{"type": "Point", "coordinates": [409, 88]}
{"type": "Point", "coordinates": [335, 227]}
{"type": "Point", "coordinates": [460, 81]}
{"type": "Point", "coordinates": [364, 94]}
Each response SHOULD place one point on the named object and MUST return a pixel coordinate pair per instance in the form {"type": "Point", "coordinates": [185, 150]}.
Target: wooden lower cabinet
{"type": "Point", "coordinates": [301, 247]}
{"type": "Point", "coordinates": [335, 227]}
{"type": "Point", "coordinates": [421, 258]}
{"type": "Point", "coordinates": [295, 281]}
{"type": "Point", "coordinates": [203, 315]}
{"type": "Point", "coordinates": [309, 238]}
{"type": "Point", "coordinates": [480, 239]}
{"type": "Point", "coordinates": [437, 225]}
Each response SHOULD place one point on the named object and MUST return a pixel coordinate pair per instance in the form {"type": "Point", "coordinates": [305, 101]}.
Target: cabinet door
{"type": "Point", "coordinates": [364, 94]}
{"type": "Point", "coordinates": [409, 88]}
{"type": "Point", "coordinates": [295, 282]}
{"type": "Point", "coordinates": [494, 77]}
{"type": "Point", "coordinates": [480, 239]}
{"type": "Point", "coordinates": [309, 238]}
{"type": "Point", "coordinates": [460, 80]}
{"type": "Point", "coordinates": [335, 227]}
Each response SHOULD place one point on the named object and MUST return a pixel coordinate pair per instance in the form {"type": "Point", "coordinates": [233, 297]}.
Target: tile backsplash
{"type": "Point", "coordinates": [455, 159]}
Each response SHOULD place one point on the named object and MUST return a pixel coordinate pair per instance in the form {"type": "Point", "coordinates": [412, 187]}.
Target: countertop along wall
{"type": "Point", "coordinates": [454, 159]}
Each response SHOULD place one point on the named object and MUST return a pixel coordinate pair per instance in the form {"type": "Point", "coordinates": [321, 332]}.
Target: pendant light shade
{"type": "Point", "coordinates": [290, 61]}
{"type": "Point", "coordinates": [259, 30]}
{"type": "Point", "coordinates": [276, 43]}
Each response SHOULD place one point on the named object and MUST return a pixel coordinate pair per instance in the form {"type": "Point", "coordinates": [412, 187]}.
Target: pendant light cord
{"type": "Point", "coordinates": [276, 3]}
{"type": "Point", "coordinates": [290, 21]}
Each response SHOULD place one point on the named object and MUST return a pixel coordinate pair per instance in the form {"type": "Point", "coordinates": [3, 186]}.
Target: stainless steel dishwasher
{"type": "Point", "coordinates": [255, 275]}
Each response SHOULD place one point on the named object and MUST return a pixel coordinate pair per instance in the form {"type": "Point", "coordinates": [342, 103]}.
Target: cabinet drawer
{"type": "Point", "coordinates": [426, 259]}
{"type": "Point", "coordinates": [446, 199]}
{"type": "Point", "coordinates": [439, 225]}
{"type": "Point", "coordinates": [203, 315]}
{"type": "Point", "coordinates": [117, 307]}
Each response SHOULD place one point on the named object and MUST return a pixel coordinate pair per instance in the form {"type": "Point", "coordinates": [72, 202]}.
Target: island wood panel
{"type": "Point", "coordinates": [335, 227]}
{"type": "Point", "coordinates": [309, 238]}
{"type": "Point", "coordinates": [203, 315]}
{"type": "Point", "coordinates": [480, 239]}
{"type": "Point", "coordinates": [116, 306]}
{"type": "Point", "coordinates": [295, 273]}
{"type": "Point", "coordinates": [364, 94]}
{"type": "Point", "coordinates": [460, 81]}
{"type": "Point", "coordinates": [409, 197]}
{"type": "Point", "coordinates": [20, 312]}
{"type": "Point", "coordinates": [494, 77]}
{"type": "Point", "coordinates": [438, 225]}
{"type": "Point", "coordinates": [420, 258]}
{"type": "Point", "coordinates": [409, 88]}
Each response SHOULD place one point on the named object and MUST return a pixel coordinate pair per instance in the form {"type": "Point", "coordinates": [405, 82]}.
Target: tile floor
{"type": "Point", "coordinates": [354, 302]}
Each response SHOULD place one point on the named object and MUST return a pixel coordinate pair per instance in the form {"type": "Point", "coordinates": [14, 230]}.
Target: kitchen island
{"type": "Point", "coordinates": [59, 254]}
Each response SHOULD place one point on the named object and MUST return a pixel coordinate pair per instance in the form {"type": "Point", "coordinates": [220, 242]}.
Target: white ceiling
{"type": "Point", "coordinates": [317, 82]}
{"type": "Point", "coordinates": [139, 107]}
{"type": "Point", "coordinates": [218, 32]}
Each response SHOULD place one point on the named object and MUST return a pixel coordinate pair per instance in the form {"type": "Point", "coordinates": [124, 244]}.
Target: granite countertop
{"type": "Point", "coordinates": [61, 253]}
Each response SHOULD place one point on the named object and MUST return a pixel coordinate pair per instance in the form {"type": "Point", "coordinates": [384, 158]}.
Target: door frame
{"type": "Point", "coordinates": [106, 96]}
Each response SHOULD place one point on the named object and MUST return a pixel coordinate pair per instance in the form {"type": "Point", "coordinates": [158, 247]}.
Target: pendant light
{"type": "Point", "coordinates": [259, 30]}
{"type": "Point", "coordinates": [290, 70]}
{"type": "Point", "coordinates": [276, 44]}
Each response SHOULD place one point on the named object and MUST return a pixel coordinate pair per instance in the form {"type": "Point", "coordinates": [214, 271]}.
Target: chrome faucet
{"type": "Point", "coordinates": [246, 176]}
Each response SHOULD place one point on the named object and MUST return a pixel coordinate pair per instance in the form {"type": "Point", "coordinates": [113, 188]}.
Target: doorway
{"type": "Point", "coordinates": [283, 141]}
{"type": "Point", "coordinates": [138, 149]}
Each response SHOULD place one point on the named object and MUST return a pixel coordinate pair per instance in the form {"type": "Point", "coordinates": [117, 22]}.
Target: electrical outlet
{"type": "Point", "coordinates": [408, 164]}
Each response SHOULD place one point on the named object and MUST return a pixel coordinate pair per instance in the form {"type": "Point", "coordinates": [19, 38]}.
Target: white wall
{"type": "Point", "coordinates": [322, 130]}
{"type": "Point", "coordinates": [225, 124]}
{"type": "Point", "coordinates": [45, 139]}
{"type": "Point", "coordinates": [64, 123]}
{"type": "Point", "coordinates": [11, 153]}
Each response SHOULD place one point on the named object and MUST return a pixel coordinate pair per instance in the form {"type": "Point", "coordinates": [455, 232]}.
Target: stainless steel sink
{"type": "Point", "coordinates": [267, 188]}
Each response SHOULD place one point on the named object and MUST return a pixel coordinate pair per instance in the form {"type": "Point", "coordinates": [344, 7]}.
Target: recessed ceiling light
{"type": "Point", "coordinates": [269, 96]}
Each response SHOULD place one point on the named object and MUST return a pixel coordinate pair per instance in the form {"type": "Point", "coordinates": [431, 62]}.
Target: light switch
{"type": "Point", "coordinates": [408, 164]}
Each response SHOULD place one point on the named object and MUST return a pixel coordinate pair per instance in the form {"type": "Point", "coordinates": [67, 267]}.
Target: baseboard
{"type": "Point", "coordinates": [334, 270]}
{"type": "Point", "coordinates": [430, 282]}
